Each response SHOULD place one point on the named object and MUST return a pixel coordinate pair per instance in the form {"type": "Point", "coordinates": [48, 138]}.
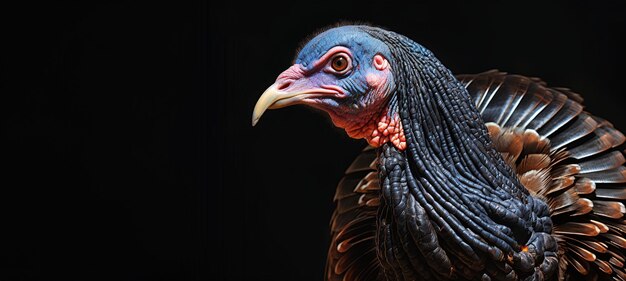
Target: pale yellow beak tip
{"type": "Point", "coordinates": [274, 98]}
{"type": "Point", "coordinates": [265, 101]}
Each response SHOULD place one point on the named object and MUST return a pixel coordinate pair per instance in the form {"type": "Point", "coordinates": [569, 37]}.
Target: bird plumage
{"type": "Point", "coordinates": [494, 177]}
{"type": "Point", "coordinates": [587, 211]}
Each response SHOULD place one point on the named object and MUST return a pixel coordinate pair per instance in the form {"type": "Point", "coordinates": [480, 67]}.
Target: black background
{"type": "Point", "coordinates": [126, 132]}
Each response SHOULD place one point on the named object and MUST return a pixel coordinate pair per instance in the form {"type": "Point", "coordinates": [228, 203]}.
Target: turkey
{"type": "Point", "coordinates": [489, 176]}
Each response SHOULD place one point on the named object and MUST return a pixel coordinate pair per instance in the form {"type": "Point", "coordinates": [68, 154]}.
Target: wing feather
{"type": "Point", "coordinates": [352, 251]}
{"type": "Point", "coordinates": [578, 170]}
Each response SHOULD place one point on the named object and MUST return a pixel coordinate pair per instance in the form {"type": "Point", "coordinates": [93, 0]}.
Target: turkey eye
{"type": "Point", "coordinates": [339, 63]}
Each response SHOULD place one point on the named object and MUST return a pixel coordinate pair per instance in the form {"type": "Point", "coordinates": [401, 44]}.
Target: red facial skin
{"type": "Point", "coordinates": [372, 123]}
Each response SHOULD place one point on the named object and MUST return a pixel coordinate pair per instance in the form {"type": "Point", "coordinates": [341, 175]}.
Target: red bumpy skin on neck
{"type": "Point", "coordinates": [389, 128]}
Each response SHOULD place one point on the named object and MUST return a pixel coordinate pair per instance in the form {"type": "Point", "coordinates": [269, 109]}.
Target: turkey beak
{"type": "Point", "coordinates": [292, 87]}
{"type": "Point", "coordinates": [274, 98]}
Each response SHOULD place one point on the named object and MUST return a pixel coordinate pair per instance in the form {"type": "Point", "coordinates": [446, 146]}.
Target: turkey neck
{"type": "Point", "coordinates": [444, 131]}
{"type": "Point", "coordinates": [449, 181]}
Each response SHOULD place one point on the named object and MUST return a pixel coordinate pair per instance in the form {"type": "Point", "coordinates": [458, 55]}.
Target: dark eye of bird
{"type": "Point", "coordinates": [339, 63]}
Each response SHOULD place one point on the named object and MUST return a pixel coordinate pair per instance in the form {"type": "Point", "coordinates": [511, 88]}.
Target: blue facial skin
{"type": "Point", "coordinates": [363, 47]}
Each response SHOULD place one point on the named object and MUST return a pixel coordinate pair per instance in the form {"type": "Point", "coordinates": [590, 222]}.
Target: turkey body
{"type": "Point", "coordinates": [566, 157]}
{"type": "Point", "coordinates": [469, 177]}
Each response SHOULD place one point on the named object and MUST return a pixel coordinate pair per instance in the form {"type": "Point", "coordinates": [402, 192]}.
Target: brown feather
{"type": "Point", "coordinates": [367, 197]}
{"type": "Point", "coordinates": [374, 202]}
{"type": "Point", "coordinates": [533, 143]}
{"type": "Point", "coordinates": [604, 266]}
{"type": "Point", "coordinates": [346, 260]}
{"type": "Point", "coordinates": [565, 171]}
{"type": "Point", "coordinates": [583, 206]}
{"type": "Point", "coordinates": [363, 161]}
{"type": "Point", "coordinates": [620, 274]}
{"type": "Point", "coordinates": [345, 245]}
{"type": "Point", "coordinates": [616, 262]}
{"type": "Point", "coordinates": [353, 228]}
{"type": "Point", "coordinates": [577, 228]}
{"type": "Point", "coordinates": [563, 200]}
{"type": "Point", "coordinates": [368, 183]}
{"type": "Point", "coordinates": [493, 128]}
{"type": "Point", "coordinates": [594, 245]}
{"type": "Point", "coordinates": [561, 184]}
{"type": "Point", "coordinates": [365, 273]}
{"type": "Point", "coordinates": [509, 141]}
{"type": "Point", "coordinates": [345, 186]}
{"type": "Point", "coordinates": [616, 240]}
{"type": "Point", "coordinates": [531, 140]}
{"type": "Point", "coordinates": [580, 265]}
{"type": "Point", "coordinates": [616, 226]}
{"type": "Point", "coordinates": [580, 207]}
{"type": "Point", "coordinates": [603, 227]}
{"type": "Point", "coordinates": [535, 181]}
{"type": "Point", "coordinates": [617, 136]}
{"type": "Point", "coordinates": [347, 204]}
{"type": "Point", "coordinates": [533, 162]}
{"type": "Point", "coordinates": [585, 186]}
{"type": "Point", "coordinates": [609, 209]}
{"type": "Point", "coordinates": [558, 156]}
{"type": "Point", "coordinates": [615, 252]}
{"type": "Point", "coordinates": [582, 252]}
